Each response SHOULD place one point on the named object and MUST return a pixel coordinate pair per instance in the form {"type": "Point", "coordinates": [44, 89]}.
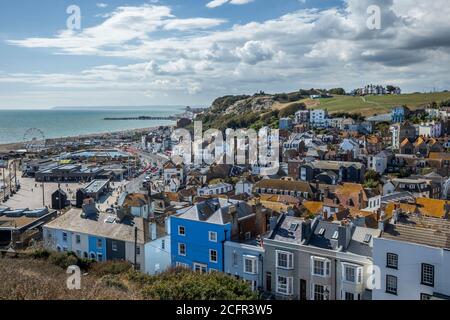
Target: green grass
{"type": "Point", "coordinates": [371, 105]}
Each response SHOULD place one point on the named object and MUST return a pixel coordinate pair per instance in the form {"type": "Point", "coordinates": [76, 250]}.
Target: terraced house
{"type": "Point", "coordinates": [318, 260]}
{"type": "Point", "coordinates": [98, 236]}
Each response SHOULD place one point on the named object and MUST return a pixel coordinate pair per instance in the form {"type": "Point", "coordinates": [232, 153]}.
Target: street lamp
{"type": "Point", "coordinates": [326, 294]}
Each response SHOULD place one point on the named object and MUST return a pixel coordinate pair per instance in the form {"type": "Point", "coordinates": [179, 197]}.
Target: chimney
{"type": "Point", "coordinates": [325, 215]}
{"type": "Point", "coordinates": [232, 211]}
{"type": "Point", "coordinates": [89, 208]}
{"type": "Point", "coordinates": [273, 221]}
{"type": "Point", "coordinates": [360, 200]}
{"type": "Point", "coordinates": [260, 219]}
{"type": "Point", "coordinates": [306, 229]}
{"type": "Point", "coordinates": [345, 234]}
{"type": "Point", "coordinates": [395, 215]}
{"type": "Point", "coordinates": [153, 232]}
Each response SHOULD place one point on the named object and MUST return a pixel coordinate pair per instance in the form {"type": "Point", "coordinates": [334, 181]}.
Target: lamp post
{"type": "Point", "coordinates": [326, 294]}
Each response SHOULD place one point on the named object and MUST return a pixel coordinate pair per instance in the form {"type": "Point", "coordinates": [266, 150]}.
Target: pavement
{"type": "Point", "coordinates": [31, 196]}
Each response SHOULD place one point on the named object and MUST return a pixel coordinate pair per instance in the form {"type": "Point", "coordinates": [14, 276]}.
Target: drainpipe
{"type": "Point", "coordinates": [335, 279]}
{"type": "Point", "coordinates": [223, 251]}
{"type": "Point", "coordinates": [135, 247]}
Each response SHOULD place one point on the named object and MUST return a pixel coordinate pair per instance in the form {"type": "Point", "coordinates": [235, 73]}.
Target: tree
{"type": "Point", "coordinates": [390, 88]}
{"type": "Point", "coordinates": [337, 91]}
{"type": "Point", "coordinates": [372, 175]}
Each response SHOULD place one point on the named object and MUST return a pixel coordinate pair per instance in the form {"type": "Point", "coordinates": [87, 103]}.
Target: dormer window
{"type": "Point", "coordinates": [335, 235]}
{"type": "Point", "coordinates": [321, 232]}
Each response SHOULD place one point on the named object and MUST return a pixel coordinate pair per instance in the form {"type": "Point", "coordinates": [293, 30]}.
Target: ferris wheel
{"type": "Point", "coordinates": [34, 139]}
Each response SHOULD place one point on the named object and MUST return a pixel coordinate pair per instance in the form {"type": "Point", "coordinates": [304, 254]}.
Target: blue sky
{"type": "Point", "coordinates": [187, 52]}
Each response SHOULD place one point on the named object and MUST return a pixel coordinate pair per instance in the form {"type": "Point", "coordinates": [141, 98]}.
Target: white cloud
{"type": "Point", "coordinates": [102, 5]}
{"type": "Point", "coordinates": [254, 52]}
{"type": "Point", "coordinates": [218, 3]}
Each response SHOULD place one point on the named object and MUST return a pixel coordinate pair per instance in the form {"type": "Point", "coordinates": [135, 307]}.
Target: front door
{"type": "Point", "coordinates": [269, 282]}
{"type": "Point", "coordinates": [302, 289]}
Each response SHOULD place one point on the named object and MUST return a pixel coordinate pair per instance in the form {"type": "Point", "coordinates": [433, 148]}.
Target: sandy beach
{"type": "Point", "coordinates": [5, 148]}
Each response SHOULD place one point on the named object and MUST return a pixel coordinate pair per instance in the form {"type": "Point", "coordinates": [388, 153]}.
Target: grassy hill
{"type": "Point", "coordinates": [371, 105]}
{"type": "Point", "coordinates": [266, 109]}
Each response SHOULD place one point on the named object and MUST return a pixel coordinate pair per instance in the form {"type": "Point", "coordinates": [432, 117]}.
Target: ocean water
{"type": "Point", "coordinates": [58, 123]}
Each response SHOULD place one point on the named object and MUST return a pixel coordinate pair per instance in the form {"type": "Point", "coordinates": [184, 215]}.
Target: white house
{"type": "Point", "coordinates": [301, 116]}
{"type": "Point", "coordinates": [431, 129]}
{"type": "Point", "coordinates": [318, 118]}
{"type": "Point", "coordinates": [350, 145]}
{"type": "Point", "coordinates": [244, 187]}
{"type": "Point", "coordinates": [414, 260]}
{"type": "Point", "coordinates": [215, 189]}
{"type": "Point", "coordinates": [157, 250]}
{"type": "Point", "coordinates": [379, 162]}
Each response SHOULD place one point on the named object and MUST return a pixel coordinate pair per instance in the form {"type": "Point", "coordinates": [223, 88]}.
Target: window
{"type": "Point", "coordinates": [182, 265]}
{"type": "Point", "coordinates": [181, 231]}
{"type": "Point", "coordinates": [367, 238]}
{"type": "Point", "coordinates": [428, 274]}
{"type": "Point", "coordinates": [78, 238]}
{"type": "Point", "coordinates": [391, 284]}
{"type": "Point", "coordinates": [424, 296]}
{"type": "Point", "coordinates": [181, 249]}
{"type": "Point", "coordinates": [284, 285]}
{"type": "Point", "coordinates": [392, 261]}
{"type": "Point", "coordinates": [163, 244]}
{"type": "Point", "coordinates": [350, 274]}
{"type": "Point", "coordinates": [293, 227]}
{"type": "Point", "coordinates": [235, 258]}
{"type": "Point", "coordinates": [321, 232]}
{"type": "Point", "coordinates": [335, 235]}
{"type": "Point", "coordinates": [320, 267]}
{"type": "Point", "coordinates": [349, 296]}
{"type": "Point", "coordinates": [213, 256]}
{"type": "Point", "coordinates": [99, 257]}
{"type": "Point", "coordinates": [213, 236]}
{"type": "Point", "coordinates": [250, 264]}
{"type": "Point", "coordinates": [64, 236]}
{"type": "Point", "coordinates": [99, 243]}
{"type": "Point", "coordinates": [285, 260]}
{"type": "Point", "coordinates": [320, 292]}
{"type": "Point", "coordinates": [114, 246]}
{"type": "Point", "coordinates": [138, 250]}
{"type": "Point", "coordinates": [200, 268]}
{"type": "Point", "coordinates": [79, 253]}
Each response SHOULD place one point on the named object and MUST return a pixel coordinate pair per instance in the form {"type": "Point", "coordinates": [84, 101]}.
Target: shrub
{"type": "Point", "coordinates": [63, 259]}
{"type": "Point", "coordinates": [40, 254]}
{"type": "Point", "coordinates": [183, 284]}
{"type": "Point", "coordinates": [110, 268]}
{"type": "Point", "coordinates": [113, 282]}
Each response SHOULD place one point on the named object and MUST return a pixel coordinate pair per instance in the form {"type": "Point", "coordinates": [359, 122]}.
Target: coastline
{"type": "Point", "coordinates": [8, 147]}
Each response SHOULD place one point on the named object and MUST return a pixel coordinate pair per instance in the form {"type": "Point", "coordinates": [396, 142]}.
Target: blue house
{"type": "Point", "coordinates": [399, 114]}
{"type": "Point", "coordinates": [199, 234]}
{"type": "Point", "coordinates": [285, 123]}
{"type": "Point", "coordinates": [245, 261]}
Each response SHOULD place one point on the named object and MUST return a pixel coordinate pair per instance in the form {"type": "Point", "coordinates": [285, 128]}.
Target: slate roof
{"type": "Point", "coordinates": [73, 222]}
{"type": "Point", "coordinates": [424, 231]}
{"type": "Point", "coordinates": [216, 210]}
{"type": "Point", "coordinates": [298, 186]}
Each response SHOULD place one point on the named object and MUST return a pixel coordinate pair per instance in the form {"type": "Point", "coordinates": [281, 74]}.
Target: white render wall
{"type": "Point", "coordinates": [410, 259]}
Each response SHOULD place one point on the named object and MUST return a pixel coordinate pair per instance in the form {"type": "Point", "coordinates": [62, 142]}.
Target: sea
{"type": "Point", "coordinates": [25, 125]}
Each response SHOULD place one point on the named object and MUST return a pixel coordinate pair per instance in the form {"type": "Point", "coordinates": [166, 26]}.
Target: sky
{"type": "Point", "coordinates": [188, 52]}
